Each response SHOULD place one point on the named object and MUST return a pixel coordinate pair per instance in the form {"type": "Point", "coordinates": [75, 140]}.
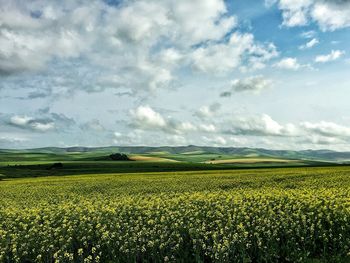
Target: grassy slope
{"type": "Point", "coordinates": [320, 155]}
{"type": "Point", "coordinates": [33, 164]}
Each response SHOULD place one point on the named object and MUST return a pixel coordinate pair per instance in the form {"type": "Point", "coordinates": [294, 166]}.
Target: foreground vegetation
{"type": "Point", "coordinates": [265, 215]}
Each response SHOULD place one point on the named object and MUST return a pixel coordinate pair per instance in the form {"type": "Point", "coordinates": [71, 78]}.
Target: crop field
{"type": "Point", "coordinates": [255, 215]}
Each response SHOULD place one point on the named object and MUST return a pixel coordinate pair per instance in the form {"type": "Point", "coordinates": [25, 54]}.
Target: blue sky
{"type": "Point", "coordinates": [270, 74]}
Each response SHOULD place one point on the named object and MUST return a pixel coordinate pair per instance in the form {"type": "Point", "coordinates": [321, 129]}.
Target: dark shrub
{"type": "Point", "coordinates": [119, 157]}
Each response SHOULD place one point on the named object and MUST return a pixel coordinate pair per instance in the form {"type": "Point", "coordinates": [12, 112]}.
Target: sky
{"type": "Point", "coordinates": [270, 74]}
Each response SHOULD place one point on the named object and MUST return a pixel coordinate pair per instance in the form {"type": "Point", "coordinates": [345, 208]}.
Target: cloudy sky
{"type": "Point", "coordinates": [272, 74]}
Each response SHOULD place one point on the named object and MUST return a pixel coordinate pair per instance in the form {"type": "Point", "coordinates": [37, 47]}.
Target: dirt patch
{"type": "Point", "coordinates": [250, 160]}
{"type": "Point", "coordinates": [150, 159]}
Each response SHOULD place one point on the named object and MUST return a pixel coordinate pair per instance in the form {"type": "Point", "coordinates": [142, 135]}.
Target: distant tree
{"type": "Point", "coordinates": [119, 157]}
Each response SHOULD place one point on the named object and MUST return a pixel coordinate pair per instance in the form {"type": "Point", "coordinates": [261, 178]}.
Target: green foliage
{"type": "Point", "coordinates": [119, 157]}
{"type": "Point", "coordinates": [266, 215]}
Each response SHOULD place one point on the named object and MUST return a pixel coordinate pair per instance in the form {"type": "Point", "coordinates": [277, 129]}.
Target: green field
{"type": "Point", "coordinates": [254, 215]}
{"type": "Point", "coordinates": [37, 163]}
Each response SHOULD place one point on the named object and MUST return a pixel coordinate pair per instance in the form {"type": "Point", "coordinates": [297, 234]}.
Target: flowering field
{"type": "Point", "coordinates": [270, 215]}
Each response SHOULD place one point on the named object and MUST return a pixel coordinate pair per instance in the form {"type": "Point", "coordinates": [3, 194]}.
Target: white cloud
{"type": "Point", "coordinates": [320, 140]}
{"type": "Point", "coordinates": [197, 21]}
{"type": "Point", "coordinates": [28, 43]}
{"type": "Point", "coordinates": [142, 46]}
{"type": "Point", "coordinates": [331, 15]}
{"type": "Point", "coordinates": [215, 140]}
{"type": "Point", "coordinates": [313, 42]}
{"type": "Point", "coordinates": [207, 127]}
{"type": "Point", "coordinates": [146, 117]}
{"type": "Point", "coordinates": [135, 137]}
{"type": "Point", "coordinates": [288, 63]}
{"type": "Point", "coordinates": [225, 57]}
{"type": "Point", "coordinates": [208, 111]}
{"type": "Point", "coordinates": [334, 55]}
{"type": "Point", "coordinates": [184, 127]}
{"type": "Point", "coordinates": [222, 57]}
{"type": "Point", "coordinates": [253, 84]}
{"type": "Point", "coordinates": [140, 138]}
{"type": "Point", "coordinates": [294, 12]}
{"type": "Point", "coordinates": [328, 14]}
{"type": "Point", "coordinates": [20, 120]}
{"type": "Point", "coordinates": [316, 133]}
{"type": "Point", "coordinates": [170, 56]}
{"type": "Point", "coordinates": [325, 133]}
{"type": "Point", "coordinates": [137, 45]}
{"type": "Point", "coordinates": [31, 123]}
{"type": "Point", "coordinates": [327, 129]}
{"type": "Point", "coordinates": [262, 125]}
{"type": "Point", "coordinates": [42, 126]}
{"type": "Point", "coordinates": [308, 34]}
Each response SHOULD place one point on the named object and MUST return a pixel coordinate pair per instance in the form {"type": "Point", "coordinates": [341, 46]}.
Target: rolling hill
{"type": "Point", "coordinates": [314, 155]}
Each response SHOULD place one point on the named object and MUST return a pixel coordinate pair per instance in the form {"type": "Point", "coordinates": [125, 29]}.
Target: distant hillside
{"type": "Point", "coordinates": [319, 155]}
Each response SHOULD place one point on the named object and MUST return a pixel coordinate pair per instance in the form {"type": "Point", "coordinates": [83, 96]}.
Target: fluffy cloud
{"type": "Point", "coordinates": [30, 123]}
{"type": "Point", "coordinates": [253, 84]}
{"type": "Point", "coordinates": [41, 121]}
{"type": "Point", "coordinates": [289, 64]}
{"type": "Point", "coordinates": [294, 11]}
{"type": "Point", "coordinates": [31, 34]}
{"type": "Point", "coordinates": [262, 125]}
{"type": "Point", "coordinates": [334, 55]}
{"type": "Point", "coordinates": [309, 34]}
{"type": "Point", "coordinates": [327, 129]}
{"type": "Point", "coordinates": [216, 140]}
{"type": "Point", "coordinates": [239, 50]}
{"type": "Point", "coordinates": [128, 138]}
{"type": "Point", "coordinates": [331, 15]}
{"type": "Point", "coordinates": [149, 39]}
{"type": "Point", "coordinates": [207, 128]}
{"type": "Point", "coordinates": [321, 140]}
{"type": "Point", "coordinates": [145, 118]}
{"type": "Point", "coordinates": [138, 137]}
{"type": "Point", "coordinates": [328, 14]}
{"type": "Point", "coordinates": [208, 111]}
{"type": "Point", "coordinates": [317, 133]}
{"type": "Point", "coordinates": [238, 130]}
{"type": "Point", "coordinates": [325, 133]}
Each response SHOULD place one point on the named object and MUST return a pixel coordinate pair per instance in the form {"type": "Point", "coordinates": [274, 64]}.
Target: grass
{"type": "Point", "coordinates": [253, 160]}
{"type": "Point", "coordinates": [34, 164]}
